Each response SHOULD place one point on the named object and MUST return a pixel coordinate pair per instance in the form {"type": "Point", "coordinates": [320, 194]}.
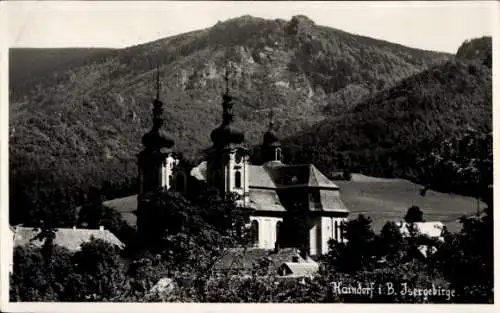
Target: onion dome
{"type": "Point", "coordinates": [157, 138]}
{"type": "Point", "coordinates": [226, 134]}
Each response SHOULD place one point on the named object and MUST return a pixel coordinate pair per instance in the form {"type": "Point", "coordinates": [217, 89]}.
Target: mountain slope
{"type": "Point", "coordinates": [27, 65]}
{"type": "Point", "coordinates": [386, 134]}
{"type": "Point", "coordinates": [83, 124]}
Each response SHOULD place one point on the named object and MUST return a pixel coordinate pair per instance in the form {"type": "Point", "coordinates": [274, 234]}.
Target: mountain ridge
{"type": "Point", "coordinates": [87, 120]}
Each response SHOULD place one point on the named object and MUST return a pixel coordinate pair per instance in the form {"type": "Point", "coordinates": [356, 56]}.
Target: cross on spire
{"type": "Point", "coordinates": [226, 77]}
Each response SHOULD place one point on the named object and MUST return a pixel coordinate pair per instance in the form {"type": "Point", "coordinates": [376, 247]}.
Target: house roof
{"type": "Point", "coordinates": [69, 238]}
{"type": "Point", "coordinates": [300, 269]}
{"type": "Point", "coordinates": [245, 259]}
{"type": "Point", "coordinates": [431, 229]}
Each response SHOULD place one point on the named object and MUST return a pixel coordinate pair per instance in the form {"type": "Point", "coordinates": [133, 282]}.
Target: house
{"type": "Point", "coordinates": [69, 238]}
{"type": "Point", "coordinates": [429, 229]}
{"type": "Point", "coordinates": [432, 230]}
{"type": "Point", "coordinates": [296, 269]}
{"type": "Point", "coordinates": [245, 261]}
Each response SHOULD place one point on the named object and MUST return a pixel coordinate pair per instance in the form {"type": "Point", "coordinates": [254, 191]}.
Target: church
{"type": "Point", "coordinates": [292, 205]}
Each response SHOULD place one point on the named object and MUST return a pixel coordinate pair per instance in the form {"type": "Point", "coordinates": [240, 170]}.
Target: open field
{"type": "Point", "coordinates": [388, 199]}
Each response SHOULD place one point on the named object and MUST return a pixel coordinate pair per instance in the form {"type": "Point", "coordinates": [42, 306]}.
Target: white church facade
{"type": "Point", "coordinates": [292, 205]}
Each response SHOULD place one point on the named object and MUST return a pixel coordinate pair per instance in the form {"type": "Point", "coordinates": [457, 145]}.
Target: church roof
{"type": "Point", "coordinates": [69, 238]}
{"type": "Point", "coordinates": [259, 177]}
{"type": "Point", "coordinates": [298, 175]}
{"type": "Point", "coordinates": [265, 200]}
{"type": "Point", "coordinates": [318, 179]}
{"type": "Point", "coordinates": [200, 172]}
{"type": "Point", "coordinates": [331, 202]}
{"type": "Point", "coordinates": [276, 174]}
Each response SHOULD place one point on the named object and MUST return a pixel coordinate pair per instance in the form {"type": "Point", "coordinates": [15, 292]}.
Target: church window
{"type": "Point", "coordinates": [238, 158]}
{"type": "Point", "coordinates": [278, 229]}
{"type": "Point", "coordinates": [237, 179]}
{"type": "Point", "coordinates": [342, 229]}
{"type": "Point", "coordinates": [170, 181]}
{"type": "Point", "coordinates": [255, 231]}
{"type": "Point", "coordinates": [278, 154]}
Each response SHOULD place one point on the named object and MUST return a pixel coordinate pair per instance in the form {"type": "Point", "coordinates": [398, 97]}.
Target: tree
{"type": "Point", "coordinates": [359, 251]}
{"type": "Point", "coordinates": [191, 235]}
{"type": "Point", "coordinates": [390, 242]}
{"type": "Point", "coordinates": [99, 272]}
{"type": "Point", "coordinates": [471, 250]}
{"type": "Point", "coordinates": [35, 278]}
{"type": "Point", "coordinates": [414, 215]}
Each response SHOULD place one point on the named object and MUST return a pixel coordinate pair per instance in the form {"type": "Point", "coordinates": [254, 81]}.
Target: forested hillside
{"type": "Point", "coordinates": [387, 134]}
{"type": "Point", "coordinates": [79, 123]}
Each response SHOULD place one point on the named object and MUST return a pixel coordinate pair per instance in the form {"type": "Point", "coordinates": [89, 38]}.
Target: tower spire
{"type": "Point", "coordinates": [158, 84]}
{"type": "Point", "coordinates": [226, 77]}
{"type": "Point", "coordinates": [157, 103]}
{"type": "Point", "coordinates": [227, 104]}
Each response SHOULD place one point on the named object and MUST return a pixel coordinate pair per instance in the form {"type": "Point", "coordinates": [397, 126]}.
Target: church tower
{"type": "Point", "coordinates": [271, 146]}
{"type": "Point", "coordinates": [228, 159]}
{"type": "Point", "coordinates": [157, 161]}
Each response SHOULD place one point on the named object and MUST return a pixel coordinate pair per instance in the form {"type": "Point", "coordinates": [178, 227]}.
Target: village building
{"type": "Point", "coordinates": [430, 230]}
{"type": "Point", "coordinates": [68, 238]}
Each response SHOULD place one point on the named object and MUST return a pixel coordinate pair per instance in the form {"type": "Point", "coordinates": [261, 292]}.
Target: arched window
{"type": "Point", "coordinates": [342, 229]}
{"type": "Point", "coordinates": [170, 181]}
{"type": "Point", "coordinates": [277, 154]}
{"type": "Point", "coordinates": [255, 231]}
{"type": "Point", "coordinates": [278, 234]}
{"type": "Point", "coordinates": [237, 179]}
{"type": "Point", "coordinates": [336, 229]}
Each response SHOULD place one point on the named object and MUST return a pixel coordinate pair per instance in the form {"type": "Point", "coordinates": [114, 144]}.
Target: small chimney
{"type": "Point", "coordinates": [74, 227]}
{"type": "Point", "coordinates": [101, 228]}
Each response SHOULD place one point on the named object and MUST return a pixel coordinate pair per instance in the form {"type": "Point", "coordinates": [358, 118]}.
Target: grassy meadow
{"type": "Point", "coordinates": [388, 199]}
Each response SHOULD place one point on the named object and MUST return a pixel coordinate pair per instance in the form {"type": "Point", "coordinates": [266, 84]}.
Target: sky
{"type": "Point", "coordinates": [440, 26]}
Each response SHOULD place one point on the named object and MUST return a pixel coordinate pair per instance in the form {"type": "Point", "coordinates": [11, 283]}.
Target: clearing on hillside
{"type": "Point", "coordinates": [385, 199]}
